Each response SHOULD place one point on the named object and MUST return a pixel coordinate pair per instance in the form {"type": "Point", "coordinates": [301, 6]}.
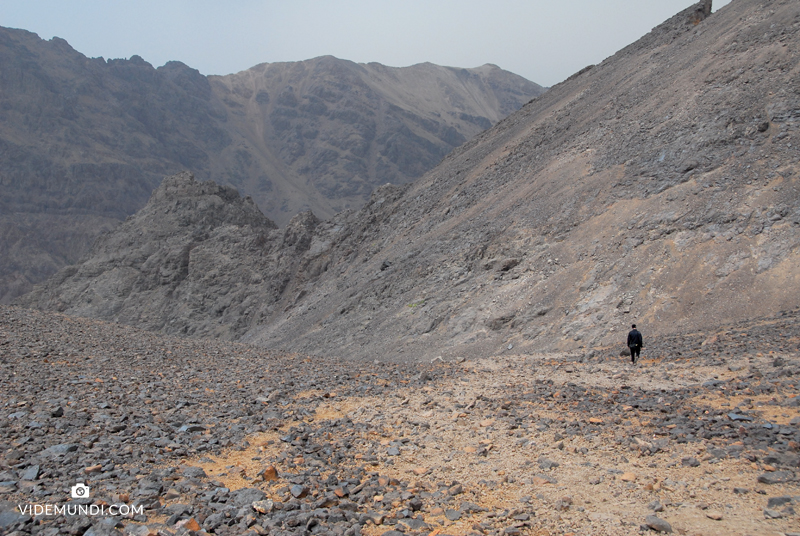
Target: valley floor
{"type": "Point", "coordinates": [195, 436]}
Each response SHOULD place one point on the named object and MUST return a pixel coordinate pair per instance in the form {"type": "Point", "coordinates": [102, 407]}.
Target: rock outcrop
{"type": "Point", "coordinates": [659, 187]}
{"type": "Point", "coordinates": [198, 259]}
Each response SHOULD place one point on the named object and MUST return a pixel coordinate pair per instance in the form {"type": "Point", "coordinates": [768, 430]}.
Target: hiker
{"type": "Point", "coordinates": [635, 343]}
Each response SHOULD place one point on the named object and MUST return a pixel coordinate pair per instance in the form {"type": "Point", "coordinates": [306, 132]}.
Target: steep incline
{"type": "Point", "coordinates": [659, 187]}
{"type": "Point", "coordinates": [85, 141]}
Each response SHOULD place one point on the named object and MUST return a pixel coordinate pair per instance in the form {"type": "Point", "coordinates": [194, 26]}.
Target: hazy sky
{"type": "Point", "coordinates": [543, 40]}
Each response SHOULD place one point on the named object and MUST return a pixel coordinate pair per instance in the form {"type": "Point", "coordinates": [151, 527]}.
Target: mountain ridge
{"type": "Point", "coordinates": [86, 141]}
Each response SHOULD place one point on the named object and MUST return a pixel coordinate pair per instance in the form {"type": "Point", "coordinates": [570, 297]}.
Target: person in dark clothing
{"type": "Point", "coordinates": [635, 343]}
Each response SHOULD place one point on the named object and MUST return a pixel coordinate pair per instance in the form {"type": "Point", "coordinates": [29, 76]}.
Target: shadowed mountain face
{"type": "Point", "coordinates": [84, 142]}
{"type": "Point", "coordinates": [659, 187]}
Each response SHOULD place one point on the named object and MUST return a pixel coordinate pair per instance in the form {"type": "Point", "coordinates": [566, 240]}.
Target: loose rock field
{"type": "Point", "coordinates": [221, 438]}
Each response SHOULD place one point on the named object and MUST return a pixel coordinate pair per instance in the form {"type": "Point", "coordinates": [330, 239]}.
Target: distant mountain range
{"type": "Point", "coordinates": [84, 141]}
{"type": "Point", "coordinates": [660, 187]}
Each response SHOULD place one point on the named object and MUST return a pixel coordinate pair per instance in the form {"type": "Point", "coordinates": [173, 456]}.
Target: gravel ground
{"type": "Point", "coordinates": [701, 436]}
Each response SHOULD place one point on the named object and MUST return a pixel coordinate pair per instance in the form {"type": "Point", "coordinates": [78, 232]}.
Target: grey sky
{"type": "Point", "coordinates": [542, 40]}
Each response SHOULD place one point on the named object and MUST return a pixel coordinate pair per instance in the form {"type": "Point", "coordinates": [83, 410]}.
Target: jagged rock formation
{"type": "Point", "coordinates": [198, 259]}
{"type": "Point", "coordinates": [659, 187]}
{"type": "Point", "coordinates": [85, 141]}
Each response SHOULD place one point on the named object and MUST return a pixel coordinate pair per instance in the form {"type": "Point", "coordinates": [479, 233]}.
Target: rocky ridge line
{"type": "Point", "coordinates": [86, 140]}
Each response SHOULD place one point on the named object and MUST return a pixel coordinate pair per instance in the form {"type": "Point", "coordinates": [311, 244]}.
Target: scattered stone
{"type": "Point", "coordinates": [194, 472]}
{"type": "Point", "coordinates": [546, 464]}
{"type": "Point", "coordinates": [60, 450]}
{"type": "Point", "coordinates": [563, 504]}
{"type": "Point", "coordinates": [457, 489]}
{"type": "Point", "coordinates": [772, 514]}
{"type": "Point", "coordinates": [298, 491]}
{"type": "Point", "coordinates": [31, 473]}
{"type": "Point", "coordinates": [247, 496]}
{"type": "Point", "coordinates": [337, 465]}
{"type": "Point", "coordinates": [9, 518]}
{"type": "Point", "coordinates": [263, 507]}
{"type": "Point", "coordinates": [657, 524]}
{"type": "Point", "coordinates": [776, 477]}
{"type": "Point", "coordinates": [188, 524]}
{"type": "Point", "coordinates": [192, 428]}
{"type": "Point", "coordinates": [93, 469]}
{"type": "Point", "coordinates": [777, 502]}
{"type": "Point", "coordinates": [452, 515]}
{"type": "Point", "coordinates": [268, 474]}
{"type": "Point", "coordinates": [413, 524]}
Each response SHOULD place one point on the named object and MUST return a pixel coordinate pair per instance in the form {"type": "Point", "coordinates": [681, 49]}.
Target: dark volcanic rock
{"type": "Point", "coordinates": [247, 496]}
{"type": "Point", "coordinates": [777, 477]}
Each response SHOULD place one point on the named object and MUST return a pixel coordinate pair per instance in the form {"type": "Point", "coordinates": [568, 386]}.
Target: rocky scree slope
{"type": "Point", "coordinates": [85, 141]}
{"type": "Point", "coordinates": [659, 187]}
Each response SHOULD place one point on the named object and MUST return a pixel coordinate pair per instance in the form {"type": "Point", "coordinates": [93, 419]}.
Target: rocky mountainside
{"type": "Point", "coordinates": [85, 141]}
{"type": "Point", "coordinates": [322, 134]}
{"type": "Point", "coordinates": [659, 187]}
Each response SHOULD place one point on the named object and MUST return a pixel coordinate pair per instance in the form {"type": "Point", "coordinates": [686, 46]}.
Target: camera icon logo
{"type": "Point", "coordinates": [80, 491]}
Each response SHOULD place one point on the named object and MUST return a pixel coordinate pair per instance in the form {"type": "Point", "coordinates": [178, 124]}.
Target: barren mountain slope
{"type": "Point", "coordinates": [85, 141]}
{"type": "Point", "coordinates": [321, 134]}
{"type": "Point", "coordinates": [659, 187]}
